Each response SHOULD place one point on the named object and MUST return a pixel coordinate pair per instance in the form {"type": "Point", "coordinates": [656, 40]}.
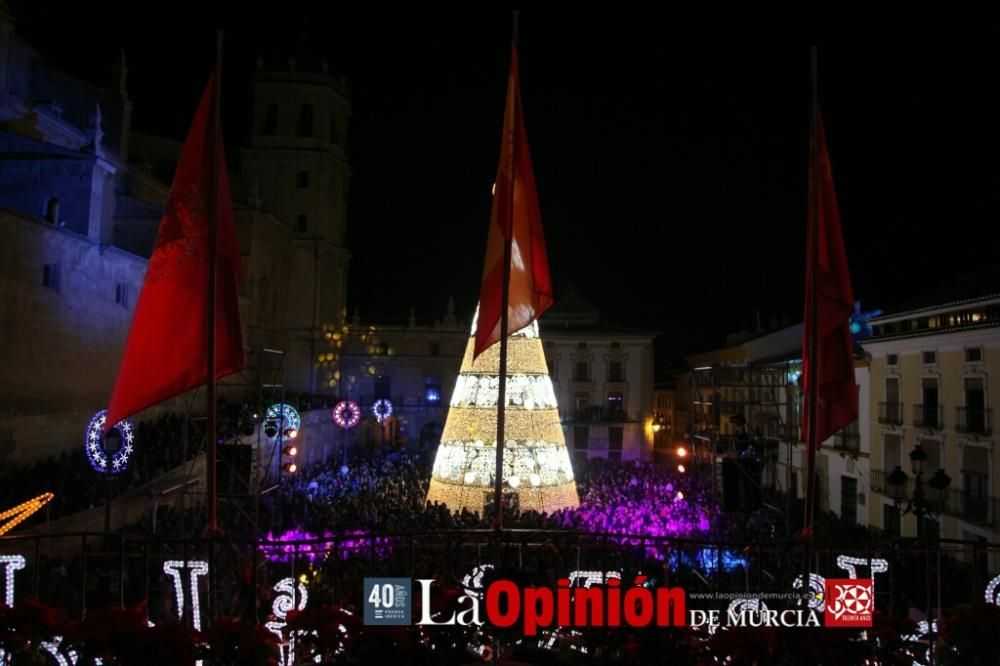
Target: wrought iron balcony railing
{"type": "Point", "coordinates": [972, 420]}
{"type": "Point", "coordinates": [890, 413]}
{"type": "Point", "coordinates": [928, 416]}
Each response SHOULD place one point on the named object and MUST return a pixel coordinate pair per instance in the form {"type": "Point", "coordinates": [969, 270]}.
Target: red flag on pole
{"type": "Point", "coordinates": [515, 215]}
{"type": "Point", "coordinates": [828, 349]}
{"type": "Point", "coordinates": [165, 353]}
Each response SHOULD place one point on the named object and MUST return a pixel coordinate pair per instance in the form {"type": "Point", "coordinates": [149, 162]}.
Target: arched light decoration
{"type": "Point", "coordinates": [817, 590]}
{"type": "Point", "coordinates": [347, 414]}
{"type": "Point", "coordinates": [102, 460]}
{"type": "Point", "coordinates": [991, 592]}
{"type": "Point", "coordinates": [286, 416]}
{"type": "Point", "coordinates": [382, 409]}
{"type": "Point", "coordinates": [11, 563]}
{"type": "Point", "coordinates": [536, 463]}
{"type": "Point", "coordinates": [197, 568]}
{"type": "Point", "coordinates": [21, 512]}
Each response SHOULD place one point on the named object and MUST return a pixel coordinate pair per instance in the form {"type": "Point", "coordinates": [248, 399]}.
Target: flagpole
{"type": "Point", "coordinates": [213, 224]}
{"type": "Point", "coordinates": [812, 397]}
{"type": "Point", "coordinates": [504, 315]}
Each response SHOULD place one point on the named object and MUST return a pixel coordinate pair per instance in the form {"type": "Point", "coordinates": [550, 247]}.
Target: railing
{"type": "Point", "coordinates": [975, 421]}
{"type": "Point", "coordinates": [600, 415]}
{"type": "Point", "coordinates": [890, 413]}
{"type": "Point", "coordinates": [880, 483]}
{"type": "Point", "coordinates": [847, 441]}
{"type": "Point", "coordinates": [928, 416]}
{"type": "Point", "coordinates": [972, 506]}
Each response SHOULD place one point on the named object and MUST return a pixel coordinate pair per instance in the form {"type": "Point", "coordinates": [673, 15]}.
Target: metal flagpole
{"type": "Point", "coordinates": [812, 394]}
{"type": "Point", "coordinates": [213, 225]}
{"type": "Point", "coordinates": [504, 305]}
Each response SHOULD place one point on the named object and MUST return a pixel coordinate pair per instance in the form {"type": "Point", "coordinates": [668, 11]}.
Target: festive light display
{"type": "Point", "coordinates": [11, 564]}
{"type": "Point", "coordinates": [472, 582]}
{"type": "Point", "coordinates": [285, 417]}
{"type": "Point", "coordinates": [991, 592]}
{"type": "Point", "coordinates": [197, 568]}
{"type": "Point", "coordinates": [346, 414]}
{"type": "Point", "coordinates": [355, 542]}
{"type": "Point", "coordinates": [382, 409]}
{"type": "Point", "coordinates": [284, 602]}
{"type": "Point", "coordinates": [21, 512]}
{"type": "Point", "coordinates": [593, 577]}
{"type": "Point", "coordinates": [817, 590]}
{"type": "Point", "coordinates": [536, 463]}
{"type": "Point", "coordinates": [102, 460]}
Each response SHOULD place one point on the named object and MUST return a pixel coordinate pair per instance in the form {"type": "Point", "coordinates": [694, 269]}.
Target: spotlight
{"type": "Point", "coordinates": [290, 450]}
{"type": "Point", "coordinates": [680, 468]}
{"type": "Point", "coordinates": [291, 433]}
{"type": "Point", "coordinates": [270, 429]}
{"type": "Point", "coordinates": [291, 468]}
{"type": "Point", "coordinates": [681, 452]}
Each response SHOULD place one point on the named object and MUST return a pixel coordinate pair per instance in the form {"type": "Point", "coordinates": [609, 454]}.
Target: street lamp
{"type": "Point", "coordinates": [922, 504]}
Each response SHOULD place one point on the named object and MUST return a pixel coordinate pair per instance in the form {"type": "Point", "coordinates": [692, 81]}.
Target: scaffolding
{"type": "Point", "coordinates": [746, 409]}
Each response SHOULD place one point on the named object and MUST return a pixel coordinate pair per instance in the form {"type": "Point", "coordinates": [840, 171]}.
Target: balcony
{"type": "Point", "coordinates": [890, 413]}
{"type": "Point", "coordinates": [975, 421]}
{"type": "Point", "coordinates": [968, 506]}
{"type": "Point", "coordinates": [600, 415]}
{"type": "Point", "coordinates": [928, 416]}
{"type": "Point", "coordinates": [845, 440]}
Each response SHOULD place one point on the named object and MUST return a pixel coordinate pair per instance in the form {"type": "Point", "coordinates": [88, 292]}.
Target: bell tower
{"type": "Point", "coordinates": [297, 161]}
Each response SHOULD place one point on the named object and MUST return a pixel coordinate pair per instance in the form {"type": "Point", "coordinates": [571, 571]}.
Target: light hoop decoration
{"type": "Point", "coordinates": [102, 460]}
{"type": "Point", "coordinates": [346, 414]}
{"type": "Point", "coordinates": [382, 409]}
{"type": "Point", "coordinates": [286, 416]}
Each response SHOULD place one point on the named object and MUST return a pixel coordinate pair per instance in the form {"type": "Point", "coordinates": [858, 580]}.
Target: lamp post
{"type": "Point", "coordinates": [923, 503]}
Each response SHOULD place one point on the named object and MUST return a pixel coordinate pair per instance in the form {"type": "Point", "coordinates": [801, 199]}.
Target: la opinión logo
{"type": "Point", "coordinates": [505, 604]}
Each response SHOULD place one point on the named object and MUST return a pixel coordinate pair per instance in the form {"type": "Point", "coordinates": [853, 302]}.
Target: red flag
{"type": "Point", "coordinates": [831, 363]}
{"type": "Point", "coordinates": [515, 216]}
{"type": "Point", "coordinates": [166, 353]}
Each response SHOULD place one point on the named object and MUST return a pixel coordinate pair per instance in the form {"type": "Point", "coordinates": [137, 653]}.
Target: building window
{"type": "Point", "coordinates": [270, 124]}
{"type": "Point", "coordinates": [890, 520]}
{"type": "Point", "coordinates": [50, 277]}
{"type": "Point", "coordinates": [52, 211]}
{"type": "Point", "coordinates": [849, 499]}
{"type": "Point", "coordinates": [581, 437]}
{"type": "Point", "coordinates": [581, 345]}
{"type": "Point", "coordinates": [334, 129]}
{"type": "Point", "coordinates": [435, 348]}
{"type": "Point", "coordinates": [930, 357]}
{"type": "Point", "coordinates": [973, 354]}
{"type": "Point", "coordinates": [616, 404]}
{"type": "Point", "coordinates": [892, 359]}
{"type": "Point", "coordinates": [121, 294]}
{"type": "Point", "coordinates": [891, 452]}
{"type": "Point", "coordinates": [616, 345]}
{"type": "Point", "coordinates": [305, 125]}
{"type": "Point", "coordinates": [581, 401]}
{"type": "Point", "coordinates": [302, 180]}
{"type": "Point", "coordinates": [582, 372]}
{"type": "Point", "coordinates": [616, 436]}
{"type": "Point", "coordinates": [302, 223]}
{"type": "Point", "coordinates": [615, 373]}
{"type": "Point", "coordinates": [432, 390]}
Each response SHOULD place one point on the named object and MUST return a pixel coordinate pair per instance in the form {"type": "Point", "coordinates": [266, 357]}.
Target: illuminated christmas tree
{"type": "Point", "coordinates": [536, 463]}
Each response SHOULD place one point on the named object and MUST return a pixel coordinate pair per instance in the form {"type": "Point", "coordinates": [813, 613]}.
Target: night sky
{"type": "Point", "coordinates": [670, 152]}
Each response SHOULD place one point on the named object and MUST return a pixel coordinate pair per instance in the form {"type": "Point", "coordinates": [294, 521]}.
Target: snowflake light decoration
{"type": "Point", "coordinates": [102, 460]}
{"type": "Point", "coordinates": [284, 416]}
{"type": "Point", "coordinates": [346, 414]}
{"type": "Point", "coordinates": [382, 409]}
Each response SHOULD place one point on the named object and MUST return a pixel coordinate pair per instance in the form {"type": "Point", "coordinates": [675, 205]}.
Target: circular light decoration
{"type": "Point", "coordinates": [382, 408]}
{"type": "Point", "coordinates": [94, 445]}
{"type": "Point", "coordinates": [285, 417]}
{"type": "Point", "coordinates": [346, 414]}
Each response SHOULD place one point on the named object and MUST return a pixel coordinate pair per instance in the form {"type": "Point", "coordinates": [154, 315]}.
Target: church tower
{"type": "Point", "coordinates": [297, 163]}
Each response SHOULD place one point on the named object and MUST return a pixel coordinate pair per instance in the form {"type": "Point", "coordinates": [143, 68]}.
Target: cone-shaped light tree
{"type": "Point", "coordinates": [536, 463]}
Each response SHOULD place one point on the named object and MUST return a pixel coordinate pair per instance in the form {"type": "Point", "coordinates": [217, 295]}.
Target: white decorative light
{"type": "Point", "coordinates": [525, 391]}
{"type": "Point", "coordinates": [592, 577]}
{"type": "Point", "coordinates": [102, 460]}
{"type": "Point", "coordinates": [536, 480]}
{"type": "Point", "coordinates": [286, 416]}
{"type": "Point", "coordinates": [280, 607]}
{"type": "Point", "coordinates": [817, 590]}
{"type": "Point", "coordinates": [848, 563]}
{"type": "Point", "coordinates": [13, 563]}
{"type": "Point", "coordinates": [197, 568]}
{"type": "Point", "coordinates": [347, 414]}
{"type": "Point", "coordinates": [382, 409]}
{"type": "Point", "coordinates": [991, 592]}
{"type": "Point", "coordinates": [473, 581]}
{"type": "Point", "coordinates": [514, 482]}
